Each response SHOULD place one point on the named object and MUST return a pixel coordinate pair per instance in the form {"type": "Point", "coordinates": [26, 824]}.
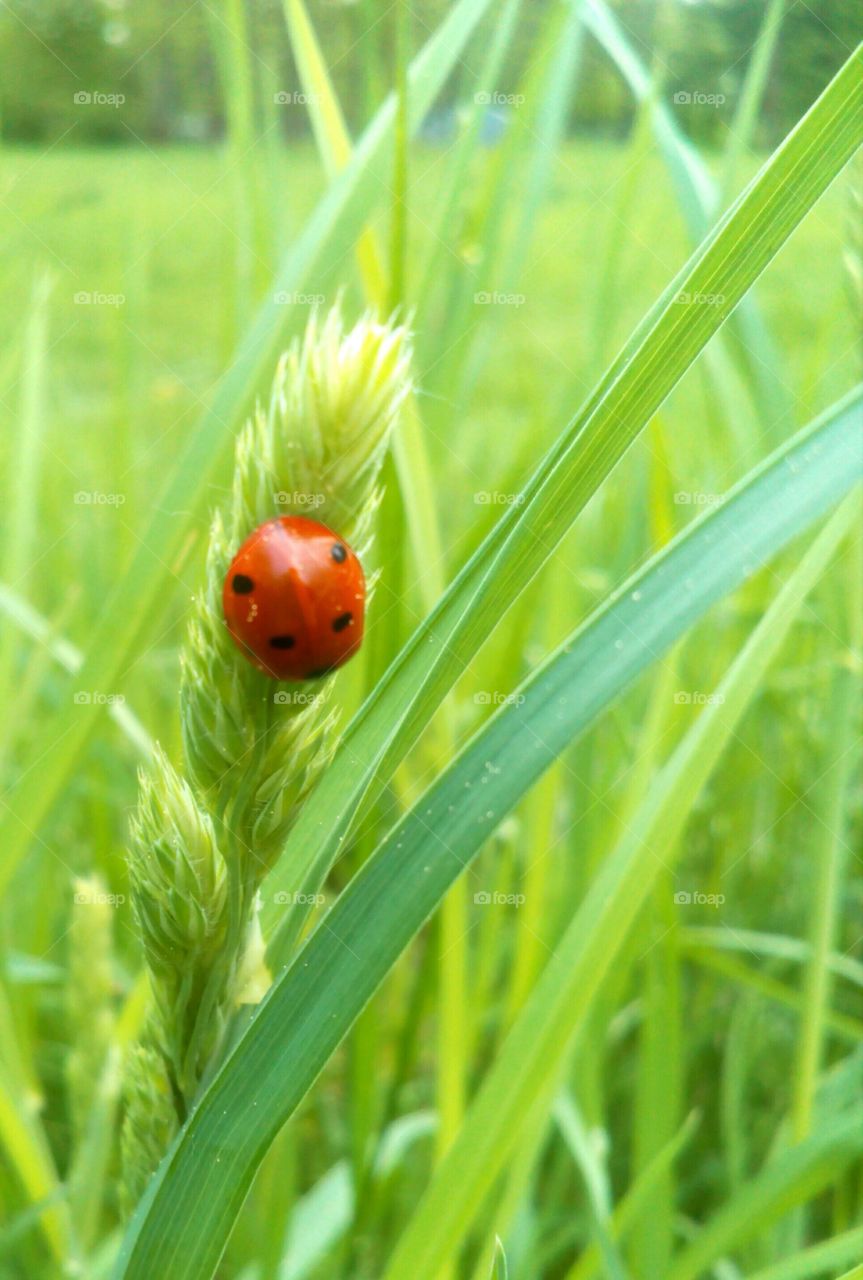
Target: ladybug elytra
{"type": "Point", "coordinates": [294, 599]}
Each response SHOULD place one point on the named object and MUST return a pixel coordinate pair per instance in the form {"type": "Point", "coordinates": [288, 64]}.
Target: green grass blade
{"type": "Point", "coordinates": [32, 624]}
{"type": "Point", "coordinates": [698, 197]}
{"type": "Point", "coordinates": [751, 96]}
{"type": "Point", "coordinates": [768, 944]}
{"type": "Point", "coordinates": [576, 1137]}
{"type": "Point", "coordinates": [789, 1180]}
{"type": "Point", "coordinates": [583, 959]}
{"type": "Point", "coordinates": [637, 1200]}
{"type": "Point", "coordinates": [650, 365]}
{"type": "Point", "coordinates": [184, 1219]}
{"type": "Point", "coordinates": [23, 486]}
{"type": "Point", "coordinates": [829, 801]}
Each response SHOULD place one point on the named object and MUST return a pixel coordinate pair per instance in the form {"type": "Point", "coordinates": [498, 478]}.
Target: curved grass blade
{"type": "Point", "coordinates": [186, 1215]}
{"type": "Point", "coordinates": [649, 366]}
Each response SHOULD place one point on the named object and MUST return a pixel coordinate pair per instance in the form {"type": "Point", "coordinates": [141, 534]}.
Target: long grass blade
{"type": "Point", "coordinates": [184, 1219]}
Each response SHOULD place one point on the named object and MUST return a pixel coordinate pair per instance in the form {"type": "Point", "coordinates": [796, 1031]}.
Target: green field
{"type": "Point", "coordinates": [627, 1042]}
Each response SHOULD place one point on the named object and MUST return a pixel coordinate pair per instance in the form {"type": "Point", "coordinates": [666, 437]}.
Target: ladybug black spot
{"type": "Point", "coordinates": [342, 621]}
{"type": "Point", "coordinates": [282, 642]}
{"type": "Point", "coordinates": [318, 673]}
{"type": "Point", "coordinates": [242, 584]}
{"type": "Point", "coordinates": [339, 553]}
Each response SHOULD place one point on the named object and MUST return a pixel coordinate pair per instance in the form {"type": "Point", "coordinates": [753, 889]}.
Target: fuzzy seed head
{"type": "Point", "coordinates": [178, 875]}
{"type": "Point", "coordinates": [316, 450]}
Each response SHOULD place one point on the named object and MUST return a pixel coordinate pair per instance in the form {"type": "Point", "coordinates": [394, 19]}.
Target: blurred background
{"type": "Point", "coordinates": [160, 163]}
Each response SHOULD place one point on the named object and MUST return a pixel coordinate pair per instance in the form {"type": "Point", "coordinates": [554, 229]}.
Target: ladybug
{"type": "Point", "coordinates": [294, 599]}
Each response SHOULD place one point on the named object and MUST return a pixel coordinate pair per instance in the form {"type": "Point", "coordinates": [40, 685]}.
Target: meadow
{"type": "Point", "coordinates": [564, 936]}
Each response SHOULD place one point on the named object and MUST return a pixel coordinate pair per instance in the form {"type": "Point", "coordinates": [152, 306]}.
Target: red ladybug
{"type": "Point", "coordinates": [294, 599]}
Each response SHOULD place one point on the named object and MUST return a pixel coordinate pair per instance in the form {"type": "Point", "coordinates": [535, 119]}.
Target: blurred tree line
{"type": "Point", "coordinates": [160, 70]}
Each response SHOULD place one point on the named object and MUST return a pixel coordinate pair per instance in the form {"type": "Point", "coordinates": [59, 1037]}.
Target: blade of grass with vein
{"type": "Point", "coordinates": [562, 997]}
{"type": "Point", "coordinates": [184, 1219]}
{"type": "Point", "coordinates": [128, 615]}
{"type": "Point", "coordinates": [649, 366]}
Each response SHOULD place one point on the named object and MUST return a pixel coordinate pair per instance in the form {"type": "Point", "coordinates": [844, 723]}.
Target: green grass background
{"type": "Point", "coordinates": [703, 1025]}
